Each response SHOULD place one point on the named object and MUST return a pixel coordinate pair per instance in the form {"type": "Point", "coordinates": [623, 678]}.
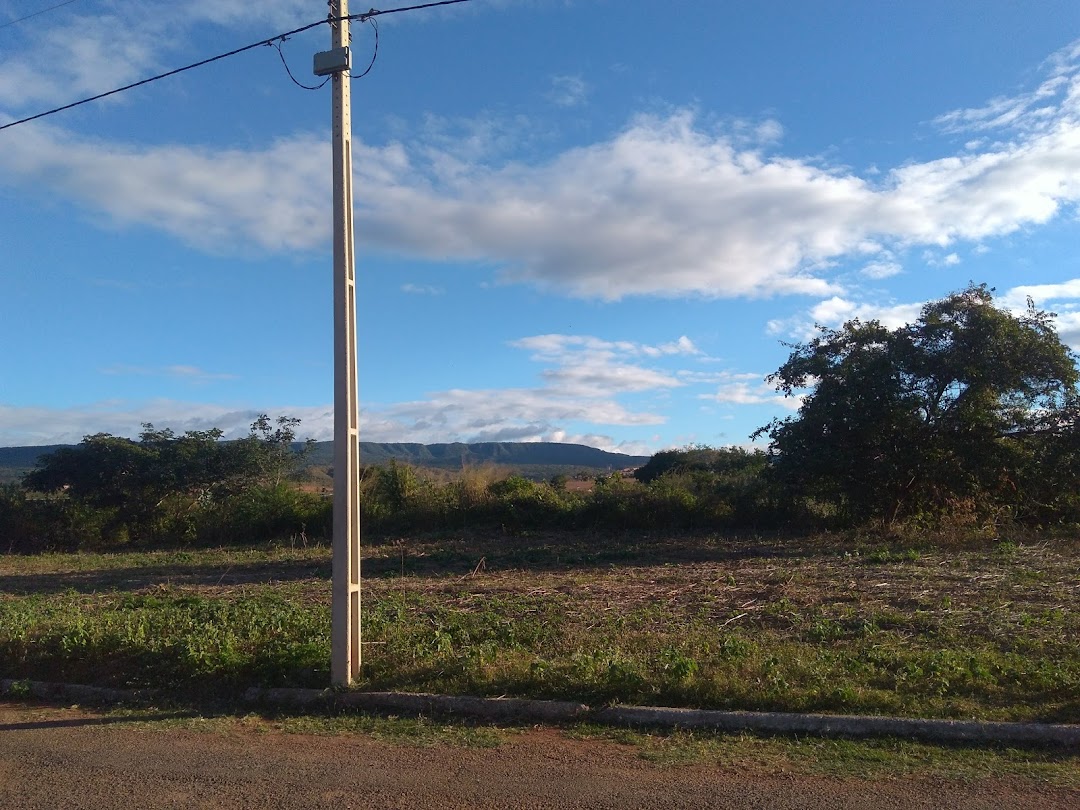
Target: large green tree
{"type": "Point", "coordinates": [898, 421]}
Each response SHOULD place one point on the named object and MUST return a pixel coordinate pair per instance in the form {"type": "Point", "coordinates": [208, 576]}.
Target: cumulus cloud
{"type": "Point", "coordinates": [1062, 298]}
{"type": "Point", "coordinates": [836, 311]}
{"type": "Point", "coordinates": [666, 207]}
{"type": "Point", "coordinates": [748, 389]}
{"type": "Point", "coordinates": [220, 200]}
{"type": "Point", "coordinates": [585, 364]}
{"type": "Point", "coordinates": [1068, 328]}
{"type": "Point", "coordinates": [882, 269]}
{"type": "Point", "coordinates": [661, 209]}
{"type": "Point", "coordinates": [1041, 294]}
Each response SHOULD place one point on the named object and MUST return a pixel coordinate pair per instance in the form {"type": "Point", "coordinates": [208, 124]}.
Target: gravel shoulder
{"type": "Point", "coordinates": [73, 758]}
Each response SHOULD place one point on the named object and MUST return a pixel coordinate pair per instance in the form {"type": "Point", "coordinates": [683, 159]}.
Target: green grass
{"type": "Point", "coordinates": [716, 622]}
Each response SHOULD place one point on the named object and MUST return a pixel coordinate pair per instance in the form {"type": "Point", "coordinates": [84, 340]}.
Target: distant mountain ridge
{"type": "Point", "coordinates": [454, 456]}
{"type": "Point", "coordinates": [458, 454]}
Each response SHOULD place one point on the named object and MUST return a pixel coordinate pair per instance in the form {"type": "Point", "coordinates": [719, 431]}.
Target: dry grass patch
{"type": "Point", "coordinates": [819, 624]}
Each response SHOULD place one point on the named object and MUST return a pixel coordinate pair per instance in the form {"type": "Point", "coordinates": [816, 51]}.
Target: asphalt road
{"type": "Point", "coordinates": [68, 758]}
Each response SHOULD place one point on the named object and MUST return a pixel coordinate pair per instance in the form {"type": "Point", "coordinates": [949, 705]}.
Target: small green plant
{"type": "Point", "coordinates": [1005, 548]}
{"type": "Point", "coordinates": [19, 689]}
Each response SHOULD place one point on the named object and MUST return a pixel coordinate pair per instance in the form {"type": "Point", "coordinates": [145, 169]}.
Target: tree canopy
{"type": "Point", "coordinates": [164, 474]}
{"type": "Point", "coordinates": [897, 421]}
{"type": "Point", "coordinates": [700, 459]}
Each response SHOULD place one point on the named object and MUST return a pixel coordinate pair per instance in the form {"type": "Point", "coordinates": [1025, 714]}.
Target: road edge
{"type": "Point", "coordinates": [524, 710]}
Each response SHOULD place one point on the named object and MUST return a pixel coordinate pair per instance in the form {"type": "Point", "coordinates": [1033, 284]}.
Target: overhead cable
{"type": "Point", "coordinates": [263, 42]}
{"type": "Point", "coordinates": [36, 13]}
{"type": "Point", "coordinates": [374, 53]}
{"type": "Point", "coordinates": [376, 13]}
{"type": "Point", "coordinates": [302, 86]}
{"type": "Point", "coordinates": [192, 66]}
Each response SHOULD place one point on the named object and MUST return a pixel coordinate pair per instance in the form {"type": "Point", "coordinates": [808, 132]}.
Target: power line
{"type": "Point", "coordinates": [301, 85]}
{"type": "Point", "coordinates": [36, 13]}
{"type": "Point", "coordinates": [269, 41]}
{"type": "Point", "coordinates": [376, 13]}
{"type": "Point", "coordinates": [374, 53]}
{"type": "Point", "coordinates": [193, 65]}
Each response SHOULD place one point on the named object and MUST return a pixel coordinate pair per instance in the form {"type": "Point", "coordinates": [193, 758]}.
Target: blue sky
{"type": "Point", "coordinates": [576, 221]}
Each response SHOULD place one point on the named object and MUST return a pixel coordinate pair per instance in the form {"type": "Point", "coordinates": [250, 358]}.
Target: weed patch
{"type": "Point", "coordinates": [697, 621]}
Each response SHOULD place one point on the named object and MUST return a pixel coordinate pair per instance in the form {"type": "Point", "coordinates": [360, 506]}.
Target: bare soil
{"type": "Point", "coordinates": [73, 758]}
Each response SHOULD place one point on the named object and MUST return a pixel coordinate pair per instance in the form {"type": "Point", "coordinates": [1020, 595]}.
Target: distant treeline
{"type": "Point", "coordinates": [967, 420]}
{"type": "Point", "coordinates": [190, 490]}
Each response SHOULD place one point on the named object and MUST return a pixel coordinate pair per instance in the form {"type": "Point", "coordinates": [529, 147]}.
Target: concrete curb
{"type": "Point", "coordinates": [523, 710]}
{"type": "Point", "coordinates": [549, 711]}
{"type": "Point", "coordinates": [74, 692]}
{"type": "Point", "coordinates": [505, 710]}
{"type": "Point", "coordinates": [825, 725]}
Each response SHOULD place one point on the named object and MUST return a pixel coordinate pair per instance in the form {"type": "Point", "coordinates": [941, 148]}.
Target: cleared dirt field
{"type": "Point", "coordinates": [808, 624]}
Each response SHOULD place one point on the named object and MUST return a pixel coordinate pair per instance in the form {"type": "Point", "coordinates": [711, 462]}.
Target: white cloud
{"type": "Point", "coordinates": [40, 425]}
{"type": "Point", "coordinates": [567, 91]}
{"type": "Point", "coordinates": [581, 383]}
{"type": "Point", "coordinates": [1016, 298]}
{"type": "Point", "coordinates": [935, 258]}
{"type": "Point", "coordinates": [715, 377]}
{"type": "Point", "coordinates": [1068, 328]}
{"type": "Point", "coordinates": [223, 200]}
{"type": "Point", "coordinates": [455, 145]}
{"type": "Point", "coordinates": [681, 346]}
{"type": "Point", "coordinates": [62, 59]}
{"type": "Point", "coordinates": [478, 414]}
{"type": "Point", "coordinates": [422, 289]}
{"type": "Point", "coordinates": [769, 131]}
{"type": "Point", "coordinates": [836, 311]}
{"type": "Point", "coordinates": [586, 378]}
{"type": "Point", "coordinates": [738, 391]}
{"type": "Point", "coordinates": [562, 347]}
{"type": "Point", "coordinates": [1063, 297]}
{"type": "Point", "coordinates": [1032, 110]}
{"type": "Point", "coordinates": [666, 207]}
{"type": "Point", "coordinates": [192, 374]}
{"type": "Point", "coordinates": [99, 52]}
{"type": "Point", "coordinates": [881, 270]}
{"type": "Point", "coordinates": [196, 374]}
{"type": "Point", "coordinates": [588, 366]}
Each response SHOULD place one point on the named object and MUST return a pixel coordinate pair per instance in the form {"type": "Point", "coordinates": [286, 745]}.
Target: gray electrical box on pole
{"type": "Point", "coordinates": [328, 63]}
{"type": "Point", "coordinates": [345, 612]}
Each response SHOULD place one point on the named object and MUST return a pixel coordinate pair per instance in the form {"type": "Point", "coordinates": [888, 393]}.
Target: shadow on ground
{"type": "Point", "coordinates": [455, 556]}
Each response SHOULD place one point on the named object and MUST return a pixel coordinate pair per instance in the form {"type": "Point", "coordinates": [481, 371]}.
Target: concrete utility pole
{"type": "Point", "coordinates": [345, 614]}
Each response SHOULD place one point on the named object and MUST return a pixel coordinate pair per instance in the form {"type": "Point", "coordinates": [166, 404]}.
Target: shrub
{"type": "Point", "coordinates": [266, 514]}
